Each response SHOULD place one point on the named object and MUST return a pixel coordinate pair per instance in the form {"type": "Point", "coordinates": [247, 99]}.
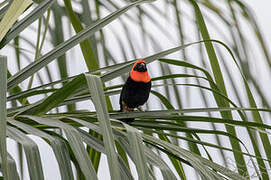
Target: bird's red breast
{"type": "Point", "coordinates": [139, 76]}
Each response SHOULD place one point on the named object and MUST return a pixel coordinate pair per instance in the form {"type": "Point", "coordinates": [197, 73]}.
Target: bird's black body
{"type": "Point", "coordinates": [134, 93]}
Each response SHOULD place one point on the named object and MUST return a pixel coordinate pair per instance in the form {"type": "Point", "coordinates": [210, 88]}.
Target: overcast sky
{"type": "Point", "coordinates": [263, 15]}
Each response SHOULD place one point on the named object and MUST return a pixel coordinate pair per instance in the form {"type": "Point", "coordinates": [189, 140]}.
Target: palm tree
{"type": "Point", "coordinates": [207, 114]}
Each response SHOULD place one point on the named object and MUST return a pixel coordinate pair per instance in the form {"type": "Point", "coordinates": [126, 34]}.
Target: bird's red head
{"type": "Point", "coordinates": [139, 72]}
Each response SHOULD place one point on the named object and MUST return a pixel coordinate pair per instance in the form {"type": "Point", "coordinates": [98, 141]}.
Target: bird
{"type": "Point", "coordinates": [136, 90]}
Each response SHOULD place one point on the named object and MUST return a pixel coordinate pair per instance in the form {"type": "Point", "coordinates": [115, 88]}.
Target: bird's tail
{"type": "Point", "coordinates": [126, 120]}
{"type": "Point", "coordinates": [124, 108]}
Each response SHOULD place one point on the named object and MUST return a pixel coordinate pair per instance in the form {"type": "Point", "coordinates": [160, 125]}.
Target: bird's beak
{"type": "Point", "coordinates": [141, 67]}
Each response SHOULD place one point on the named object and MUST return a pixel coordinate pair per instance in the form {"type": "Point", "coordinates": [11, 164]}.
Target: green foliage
{"type": "Point", "coordinates": [171, 138]}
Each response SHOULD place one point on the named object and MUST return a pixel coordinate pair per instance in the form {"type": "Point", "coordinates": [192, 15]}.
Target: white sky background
{"type": "Point", "coordinates": [262, 13]}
